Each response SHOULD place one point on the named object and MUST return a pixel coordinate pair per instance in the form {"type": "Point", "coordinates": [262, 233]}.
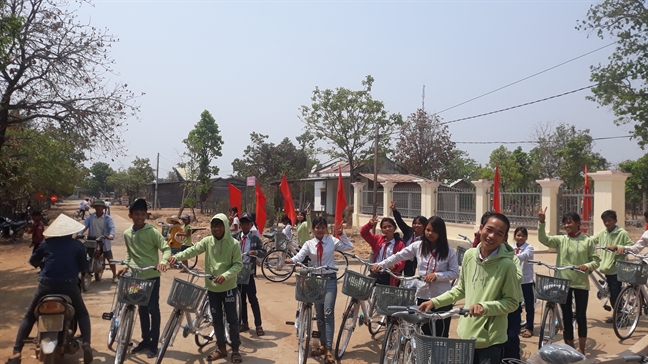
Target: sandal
{"type": "Point", "coordinates": [236, 357]}
{"type": "Point", "coordinates": [319, 351]}
{"type": "Point", "coordinates": [218, 354]}
{"type": "Point", "coordinates": [526, 333]}
{"type": "Point", "coordinates": [329, 358]}
{"type": "Point", "coordinates": [259, 331]}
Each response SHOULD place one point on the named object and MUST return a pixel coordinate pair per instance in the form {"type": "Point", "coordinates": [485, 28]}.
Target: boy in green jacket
{"type": "Point", "coordinates": [223, 261]}
{"type": "Point", "coordinates": [490, 284]}
{"type": "Point", "coordinates": [143, 242]}
{"type": "Point", "coordinates": [612, 235]}
{"type": "Point", "coordinates": [574, 249]}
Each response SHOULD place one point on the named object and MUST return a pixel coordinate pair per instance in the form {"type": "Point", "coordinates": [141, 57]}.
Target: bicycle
{"type": "Point", "coordinates": [165, 234]}
{"type": "Point", "coordinates": [554, 290]}
{"type": "Point", "coordinates": [633, 298]}
{"type": "Point", "coordinates": [636, 359]}
{"type": "Point", "coordinates": [309, 290]}
{"type": "Point", "coordinates": [95, 257]}
{"type": "Point", "coordinates": [130, 292]}
{"type": "Point", "coordinates": [600, 282]}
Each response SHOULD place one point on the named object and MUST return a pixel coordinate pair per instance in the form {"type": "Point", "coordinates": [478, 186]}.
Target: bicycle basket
{"type": "Point", "coordinates": [91, 244]}
{"type": "Point", "coordinates": [393, 296]}
{"type": "Point", "coordinates": [631, 272]}
{"type": "Point", "coordinates": [133, 291]}
{"type": "Point", "coordinates": [357, 285]}
{"type": "Point", "coordinates": [310, 288]}
{"type": "Point", "coordinates": [185, 296]}
{"type": "Point", "coordinates": [552, 289]}
{"type": "Point", "coordinates": [440, 350]}
{"type": "Point", "coordinates": [165, 231]}
{"type": "Point", "coordinates": [243, 276]}
{"type": "Point", "coordinates": [460, 253]}
{"type": "Point", "coordinates": [281, 241]}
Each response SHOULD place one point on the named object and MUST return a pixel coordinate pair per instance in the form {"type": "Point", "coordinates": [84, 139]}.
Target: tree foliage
{"type": "Point", "coordinates": [57, 75]}
{"type": "Point", "coordinates": [460, 166]}
{"type": "Point", "coordinates": [514, 167]}
{"type": "Point", "coordinates": [639, 177]}
{"type": "Point", "coordinates": [131, 181]}
{"type": "Point", "coordinates": [623, 82]}
{"type": "Point", "coordinates": [347, 121]}
{"type": "Point", "coordinates": [424, 145]}
{"type": "Point", "coordinates": [97, 182]}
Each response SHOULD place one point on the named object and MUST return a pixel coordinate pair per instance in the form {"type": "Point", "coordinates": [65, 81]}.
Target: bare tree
{"type": "Point", "coordinates": [58, 75]}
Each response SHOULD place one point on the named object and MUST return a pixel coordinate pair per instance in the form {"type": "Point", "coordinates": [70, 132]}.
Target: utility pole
{"type": "Point", "coordinates": [423, 102]}
{"type": "Point", "coordinates": [375, 184]}
{"type": "Point", "coordinates": [157, 176]}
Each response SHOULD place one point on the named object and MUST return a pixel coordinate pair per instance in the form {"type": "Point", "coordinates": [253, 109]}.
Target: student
{"type": "Point", "coordinates": [383, 246]}
{"type": "Point", "coordinates": [174, 239]}
{"type": "Point", "coordinates": [524, 252]}
{"type": "Point", "coordinates": [38, 227]}
{"type": "Point", "coordinates": [222, 260]}
{"type": "Point", "coordinates": [185, 235]}
{"type": "Point", "coordinates": [410, 235]}
{"type": "Point", "coordinates": [253, 246]}
{"type": "Point", "coordinates": [287, 230]}
{"type": "Point", "coordinates": [483, 220]}
{"type": "Point", "coordinates": [100, 224]}
{"type": "Point", "coordinates": [489, 284]}
{"type": "Point", "coordinates": [612, 235]}
{"type": "Point", "coordinates": [578, 250]}
{"type": "Point", "coordinates": [640, 245]}
{"type": "Point", "coordinates": [437, 262]}
{"type": "Point", "coordinates": [304, 225]}
{"type": "Point", "coordinates": [235, 224]}
{"type": "Point", "coordinates": [321, 251]}
{"type": "Point", "coordinates": [143, 244]}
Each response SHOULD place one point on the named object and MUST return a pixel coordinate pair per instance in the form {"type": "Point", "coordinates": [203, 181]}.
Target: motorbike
{"type": "Point", "coordinates": [96, 264]}
{"type": "Point", "coordinates": [56, 328]}
{"type": "Point", "coordinates": [12, 228]}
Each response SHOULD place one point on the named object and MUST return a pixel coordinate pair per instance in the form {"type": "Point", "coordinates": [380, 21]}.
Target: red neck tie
{"type": "Point", "coordinates": [243, 244]}
{"type": "Point", "coordinates": [517, 250]}
{"type": "Point", "coordinates": [384, 252]}
{"type": "Point", "coordinates": [320, 253]}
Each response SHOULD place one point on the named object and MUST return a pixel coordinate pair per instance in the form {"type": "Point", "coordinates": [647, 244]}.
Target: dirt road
{"type": "Point", "coordinates": [277, 305]}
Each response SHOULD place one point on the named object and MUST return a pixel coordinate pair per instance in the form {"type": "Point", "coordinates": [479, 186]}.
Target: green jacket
{"type": "Point", "coordinates": [572, 251]}
{"type": "Point", "coordinates": [618, 236]}
{"type": "Point", "coordinates": [222, 257]}
{"type": "Point", "coordinates": [142, 247]}
{"type": "Point", "coordinates": [303, 231]}
{"type": "Point", "coordinates": [495, 285]}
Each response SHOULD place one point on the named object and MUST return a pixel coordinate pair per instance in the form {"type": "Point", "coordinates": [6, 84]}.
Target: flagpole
{"type": "Point", "coordinates": [375, 179]}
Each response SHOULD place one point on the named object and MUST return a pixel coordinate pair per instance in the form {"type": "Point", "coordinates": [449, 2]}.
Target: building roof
{"type": "Point", "coordinates": [396, 178]}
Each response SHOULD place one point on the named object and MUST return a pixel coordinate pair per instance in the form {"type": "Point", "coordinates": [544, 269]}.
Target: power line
{"type": "Point", "coordinates": [536, 142]}
{"type": "Point", "coordinates": [526, 78]}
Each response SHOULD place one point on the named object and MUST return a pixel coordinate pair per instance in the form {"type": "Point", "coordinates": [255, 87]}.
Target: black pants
{"type": "Point", "coordinates": [410, 267]}
{"type": "Point", "coordinates": [580, 296]}
{"type": "Point", "coordinates": [150, 317]}
{"type": "Point", "coordinates": [69, 289]}
{"type": "Point", "coordinates": [381, 278]}
{"type": "Point", "coordinates": [442, 327]}
{"type": "Point", "coordinates": [227, 300]}
{"type": "Point", "coordinates": [529, 302]}
{"type": "Point", "coordinates": [489, 355]}
{"type": "Point", "coordinates": [249, 291]}
{"type": "Point", "coordinates": [512, 346]}
{"type": "Point", "coordinates": [615, 288]}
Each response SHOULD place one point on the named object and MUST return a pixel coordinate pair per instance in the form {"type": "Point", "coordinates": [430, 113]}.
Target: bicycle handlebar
{"type": "Point", "coordinates": [384, 270]}
{"type": "Point", "coordinates": [636, 358]}
{"type": "Point", "coordinates": [605, 249]}
{"type": "Point", "coordinates": [195, 273]}
{"type": "Point", "coordinates": [315, 268]}
{"type": "Point", "coordinates": [464, 237]}
{"type": "Point", "coordinates": [636, 255]}
{"type": "Point", "coordinates": [430, 315]}
{"type": "Point", "coordinates": [138, 269]}
{"type": "Point", "coordinates": [553, 267]}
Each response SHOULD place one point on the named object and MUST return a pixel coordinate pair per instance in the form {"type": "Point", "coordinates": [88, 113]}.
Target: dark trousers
{"type": "Point", "coordinates": [249, 291]}
{"type": "Point", "coordinates": [441, 327]}
{"type": "Point", "coordinates": [615, 288]}
{"type": "Point", "coordinates": [69, 289]}
{"type": "Point", "coordinates": [581, 297]}
{"type": "Point", "coordinates": [150, 317]}
{"type": "Point", "coordinates": [489, 355]}
{"type": "Point", "coordinates": [410, 268]}
{"type": "Point", "coordinates": [227, 300]}
{"type": "Point", "coordinates": [381, 278]}
{"type": "Point", "coordinates": [512, 346]}
{"type": "Point", "coordinates": [529, 303]}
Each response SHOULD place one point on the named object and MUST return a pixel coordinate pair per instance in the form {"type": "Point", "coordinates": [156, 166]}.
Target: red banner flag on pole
{"type": "Point", "coordinates": [340, 204]}
{"type": "Point", "coordinates": [260, 209]}
{"type": "Point", "coordinates": [496, 191]}
{"type": "Point", "coordinates": [587, 200]}
{"type": "Point", "coordinates": [235, 198]}
{"type": "Point", "coordinates": [289, 206]}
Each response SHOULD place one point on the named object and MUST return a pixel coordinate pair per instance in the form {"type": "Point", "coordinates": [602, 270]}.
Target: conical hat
{"type": "Point", "coordinates": [173, 220]}
{"type": "Point", "coordinates": [63, 226]}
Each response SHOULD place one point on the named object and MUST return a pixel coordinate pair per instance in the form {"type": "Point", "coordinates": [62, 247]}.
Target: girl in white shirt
{"type": "Point", "coordinates": [524, 252]}
{"type": "Point", "coordinates": [321, 251]}
{"type": "Point", "coordinates": [437, 262]}
{"type": "Point", "coordinates": [287, 227]}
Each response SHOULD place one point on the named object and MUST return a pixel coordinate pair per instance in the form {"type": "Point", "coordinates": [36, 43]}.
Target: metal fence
{"type": "Point", "coordinates": [368, 201]}
{"type": "Point", "coordinates": [521, 207]}
{"type": "Point", "coordinates": [408, 201]}
{"type": "Point", "coordinates": [455, 205]}
{"type": "Point", "coordinates": [572, 201]}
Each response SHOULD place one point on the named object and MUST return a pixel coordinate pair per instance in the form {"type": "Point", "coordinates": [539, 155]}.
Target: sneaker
{"type": "Point", "coordinates": [151, 353]}
{"type": "Point", "coordinates": [144, 345]}
{"type": "Point", "coordinates": [87, 354]}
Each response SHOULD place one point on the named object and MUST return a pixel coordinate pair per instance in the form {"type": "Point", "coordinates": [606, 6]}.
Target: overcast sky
{"type": "Point", "coordinates": [252, 64]}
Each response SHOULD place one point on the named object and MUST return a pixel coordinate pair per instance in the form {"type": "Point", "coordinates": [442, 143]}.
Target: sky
{"type": "Point", "coordinates": [252, 64]}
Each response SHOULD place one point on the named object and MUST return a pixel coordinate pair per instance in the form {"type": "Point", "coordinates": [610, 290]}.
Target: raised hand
{"type": "Point", "coordinates": [392, 205]}
{"type": "Point", "coordinates": [542, 215]}
{"type": "Point", "coordinates": [373, 221]}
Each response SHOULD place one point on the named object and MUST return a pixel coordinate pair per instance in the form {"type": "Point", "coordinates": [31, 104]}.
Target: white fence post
{"type": "Point", "coordinates": [550, 188]}
{"type": "Point", "coordinates": [428, 197]}
{"type": "Point", "coordinates": [388, 197]}
{"type": "Point", "coordinates": [357, 201]}
{"type": "Point", "coordinates": [609, 194]}
{"type": "Point", "coordinates": [482, 200]}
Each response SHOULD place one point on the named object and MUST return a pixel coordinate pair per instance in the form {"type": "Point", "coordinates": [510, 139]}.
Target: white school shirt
{"type": "Point", "coordinates": [446, 270]}
{"type": "Point", "coordinates": [387, 252]}
{"type": "Point", "coordinates": [235, 221]}
{"type": "Point", "coordinates": [255, 231]}
{"type": "Point", "coordinates": [288, 231]}
{"type": "Point", "coordinates": [330, 245]}
{"type": "Point", "coordinates": [640, 245]}
{"type": "Point", "coordinates": [412, 240]}
{"type": "Point", "coordinates": [245, 247]}
{"type": "Point", "coordinates": [525, 254]}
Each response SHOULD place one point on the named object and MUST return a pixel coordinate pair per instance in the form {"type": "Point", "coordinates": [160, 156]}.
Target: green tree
{"type": "Point", "coordinates": [637, 183]}
{"type": "Point", "coordinates": [622, 84]}
{"type": "Point", "coordinates": [460, 166]}
{"type": "Point", "coordinates": [98, 180]}
{"type": "Point", "coordinates": [10, 25]}
{"type": "Point", "coordinates": [347, 121]}
{"type": "Point", "coordinates": [131, 181]}
{"type": "Point", "coordinates": [514, 167]}
{"type": "Point", "coordinates": [576, 153]}
{"type": "Point", "coordinates": [204, 144]}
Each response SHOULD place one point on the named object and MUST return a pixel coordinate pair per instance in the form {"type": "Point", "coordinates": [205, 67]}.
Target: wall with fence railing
{"type": "Point", "coordinates": [455, 205]}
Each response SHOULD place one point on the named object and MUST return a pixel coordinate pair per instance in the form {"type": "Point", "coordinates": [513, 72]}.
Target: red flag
{"type": "Point", "coordinates": [496, 191]}
{"type": "Point", "coordinates": [235, 197]}
{"type": "Point", "coordinates": [289, 206]}
{"type": "Point", "coordinates": [587, 200]}
{"type": "Point", "coordinates": [340, 204]}
{"type": "Point", "coordinates": [260, 209]}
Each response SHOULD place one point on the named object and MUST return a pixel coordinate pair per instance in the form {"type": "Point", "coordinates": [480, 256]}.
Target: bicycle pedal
{"type": "Point", "coordinates": [316, 335]}
{"type": "Point", "coordinates": [290, 322]}
{"type": "Point", "coordinates": [607, 308]}
{"type": "Point", "coordinates": [107, 316]}
{"type": "Point", "coordinates": [602, 282]}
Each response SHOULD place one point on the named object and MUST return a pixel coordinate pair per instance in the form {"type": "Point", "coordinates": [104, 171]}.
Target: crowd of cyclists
{"type": "Point", "coordinates": [495, 279]}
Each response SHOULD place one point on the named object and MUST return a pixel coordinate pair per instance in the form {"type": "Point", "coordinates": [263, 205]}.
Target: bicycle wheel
{"type": "Point", "coordinates": [114, 324]}
{"type": "Point", "coordinates": [376, 320]}
{"type": "Point", "coordinates": [548, 326]}
{"type": "Point", "coordinates": [390, 347]}
{"type": "Point", "coordinates": [408, 354]}
{"type": "Point", "coordinates": [274, 268]}
{"type": "Point", "coordinates": [627, 310]}
{"type": "Point", "coordinates": [347, 326]}
{"type": "Point", "coordinates": [204, 326]}
{"type": "Point", "coordinates": [86, 279]}
{"type": "Point", "coordinates": [170, 328]}
{"type": "Point", "coordinates": [304, 333]}
{"type": "Point", "coordinates": [341, 262]}
{"type": "Point", "coordinates": [124, 333]}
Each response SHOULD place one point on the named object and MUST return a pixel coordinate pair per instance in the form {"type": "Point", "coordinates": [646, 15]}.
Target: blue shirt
{"type": "Point", "coordinates": [61, 260]}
